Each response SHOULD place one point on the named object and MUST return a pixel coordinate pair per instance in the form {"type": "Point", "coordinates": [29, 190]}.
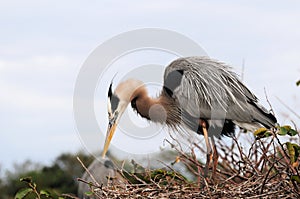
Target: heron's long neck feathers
{"type": "Point", "coordinates": [162, 109]}
{"type": "Point", "coordinates": [146, 106]}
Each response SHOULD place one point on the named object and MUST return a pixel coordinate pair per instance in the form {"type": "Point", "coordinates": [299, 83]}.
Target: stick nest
{"type": "Point", "coordinates": [266, 170]}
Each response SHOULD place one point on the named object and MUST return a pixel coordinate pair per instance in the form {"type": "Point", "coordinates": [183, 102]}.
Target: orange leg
{"type": "Point", "coordinates": [215, 158]}
{"type": "Point", "coordinates": [208, 147]}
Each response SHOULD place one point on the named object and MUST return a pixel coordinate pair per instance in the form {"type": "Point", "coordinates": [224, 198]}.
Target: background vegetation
{"type": "Point", "coordinates": [60, 177]}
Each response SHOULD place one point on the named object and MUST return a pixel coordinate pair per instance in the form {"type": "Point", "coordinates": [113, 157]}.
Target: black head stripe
{"type": "Point", "coordinates": [110, 90]}
{"type": "Point", "coordinates": [108, 164]}
{"type": "Point", "coordinates": [114, 100]}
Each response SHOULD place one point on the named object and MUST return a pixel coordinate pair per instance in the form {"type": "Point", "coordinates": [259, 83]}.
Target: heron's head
{"type": "Point", "coordinates": [118, 100]}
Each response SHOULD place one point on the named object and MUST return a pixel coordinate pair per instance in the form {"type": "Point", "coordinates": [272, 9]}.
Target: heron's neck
{"type": "Point", "coordinates": [149, 108]}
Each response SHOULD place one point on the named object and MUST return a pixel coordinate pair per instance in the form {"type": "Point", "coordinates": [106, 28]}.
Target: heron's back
{"type": "Point", "coordinates": [208, 89]}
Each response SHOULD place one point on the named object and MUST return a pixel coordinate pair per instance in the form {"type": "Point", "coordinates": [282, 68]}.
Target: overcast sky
{"type": "Point", "coordinates": [43, 45]}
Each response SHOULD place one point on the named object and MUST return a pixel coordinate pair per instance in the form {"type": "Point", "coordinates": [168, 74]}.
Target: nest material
{"type": "Point", "coordinates": [264, 172]}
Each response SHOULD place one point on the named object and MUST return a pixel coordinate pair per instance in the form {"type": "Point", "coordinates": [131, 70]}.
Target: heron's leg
{"type": "Point", "coordinates": [215, 157]}
{"type": "Point", "coordinates": [208, 147]}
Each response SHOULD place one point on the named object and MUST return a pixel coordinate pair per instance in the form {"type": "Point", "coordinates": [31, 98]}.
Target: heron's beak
{"type": "Point", "coordinates": [109, 134]}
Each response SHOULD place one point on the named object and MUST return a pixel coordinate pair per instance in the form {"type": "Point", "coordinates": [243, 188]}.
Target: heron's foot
{"type": "Point", "coordinates": [215, 161]}
{"type": "Point", "coordinates": [209, 157]}
{"type": "Point", "coordinates": [211, 165]}
{"type": "Point", "coordinates": [214, 167]}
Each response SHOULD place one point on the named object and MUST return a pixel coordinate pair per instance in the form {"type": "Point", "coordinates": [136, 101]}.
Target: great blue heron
{"type": "Point", "coordinates": [198, 92]}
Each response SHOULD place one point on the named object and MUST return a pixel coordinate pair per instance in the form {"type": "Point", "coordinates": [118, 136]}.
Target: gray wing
{"type": "Point", "coordinates": [209, 89]}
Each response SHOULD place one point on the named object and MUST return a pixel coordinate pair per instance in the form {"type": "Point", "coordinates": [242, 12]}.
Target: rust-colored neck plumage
{"type": "Point", "coordinates": [142, 103]}
{"type": "Point", "coordinates": [161, 109]}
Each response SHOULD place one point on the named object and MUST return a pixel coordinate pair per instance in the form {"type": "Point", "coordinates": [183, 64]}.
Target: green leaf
{"type": "Point", "coordinates": [45, 193]}
{"type": "Point", "coordinates": [284, 130]}
{"type": "Point", "coordinates": [295, 178]}
{"type": "Point", "coordinates": [23, 193]}
{"type": "Point", "coordinates": [262, 133]}
{"type": "Point", "coordinates": [293, 150]}
{"type": "Point", "coordinates": [292, 132]}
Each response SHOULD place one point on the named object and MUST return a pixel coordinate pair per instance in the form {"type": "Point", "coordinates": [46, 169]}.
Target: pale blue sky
{"type": "Point", "coordinates": [44, 43]}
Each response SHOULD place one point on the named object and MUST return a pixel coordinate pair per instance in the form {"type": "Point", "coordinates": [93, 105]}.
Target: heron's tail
{"type": "Point", "coordinates": [263, 116]}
